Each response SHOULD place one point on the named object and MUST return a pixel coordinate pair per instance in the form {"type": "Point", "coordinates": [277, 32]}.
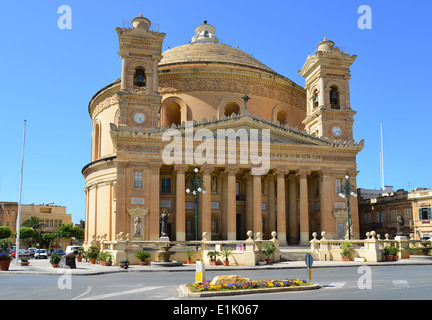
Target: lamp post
{"type": "Point", "coordinates": [195, 187]}
{"type": "Point", "coordinates": [346, 192]}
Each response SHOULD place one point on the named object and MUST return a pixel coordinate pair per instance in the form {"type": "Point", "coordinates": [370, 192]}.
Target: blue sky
{"type": "Point", "coordinates": [48, 76]}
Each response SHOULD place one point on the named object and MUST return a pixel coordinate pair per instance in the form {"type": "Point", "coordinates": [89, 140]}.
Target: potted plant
{"type": "Point", "coordinates": [80, 254]}
{"type": "Point", "coordinates": [190, 253]}
{"type": "Point", "coordinates": [5, 257]}
{"type": "Point", "coordinates": [143, 256]}
{"type": "Point", "coordinates": [105, 258]}
{"type": "Point", "coordinates": [268, 249]}
{"type": "Point", "coordinates": [124, 264]}
{"type": "Point", "coordinates": [390, 253]}
{"type": "Point", "coordinates": [92, 254]}
{"type": "Point", "coordinates": [55, 259]}
{"type": "Point", "coordinates": [346, 251]}
{"type": "Point", "coordinates": [226, 253]}
{"type": "Point", "coordinates": [212, 256]}
{"type": "Point", "coordinates": [24, 261]}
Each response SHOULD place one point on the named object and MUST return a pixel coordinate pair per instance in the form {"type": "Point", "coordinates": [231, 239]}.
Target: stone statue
{"type": "Point", "coordinates": [164, 223]}
{"type": "Point", "coordinates": [399, 225]}
{"type": "Point", "coordinates": [137, 223]}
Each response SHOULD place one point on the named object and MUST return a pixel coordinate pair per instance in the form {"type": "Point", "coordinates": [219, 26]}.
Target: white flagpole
{"type": "Point", "coordinates": [382, 159]}
{"type": "Point", "coordinates": [18, 223]}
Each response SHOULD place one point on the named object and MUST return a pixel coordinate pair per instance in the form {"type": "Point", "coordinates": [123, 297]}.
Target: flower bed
{"type": "Point", "coordinates": [259, 284]}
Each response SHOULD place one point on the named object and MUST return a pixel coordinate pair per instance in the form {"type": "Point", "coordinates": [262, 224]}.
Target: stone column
{"type": "Point", "coordinates": [304, 207]}
{"type": "Point", "coordinates": [257, 204]}
{"type": "Point", "coordinates": [354, 206]}
{"type": "Point", "coordinates": [120, 221]}
{"type": "Point", "coordinates": [327, 222]}
{"type": "Point", "coordinates": [180, 202]}
{"type": "Point", "coordinates": [271, 203]}
{"type": "Point", "coordinates": [154, 201]}
{"type": "Point", "coordinates": [231, 202]}
{"type": "Point", "coordinates": [206, 200]}
{"type": "Point", "coordinates": [292, 208]}
{"type": "Point", "coordinates": [123, 86]}
{"type": "Point", "coordinates": [155, 77]}
{"type": "Point", "coordinates": [249, 200]}
{"type": "Point", "coordinates": [281, 219]}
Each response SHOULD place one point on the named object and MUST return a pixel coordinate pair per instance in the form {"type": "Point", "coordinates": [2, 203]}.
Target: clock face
{"type": "Point", "coordinates": [139, 117]}
{"type": "Point", "coordinates": [336, 131]}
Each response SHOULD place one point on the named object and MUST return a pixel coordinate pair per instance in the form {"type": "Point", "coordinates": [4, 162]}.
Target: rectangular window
{"type": "Point", "coordinates": [138, 179]}
{"type": "Point", "coordinates": [165, 185]}
{"type": "Point", "coordinates": [367, 217]}
{"type": "Point", "coordinates": [338, 186]}
{"type": "Point", "coordinates": [380, 216]}
{"type": "Point", "coordinates": [407, 214]}
{"type": "Point", "coordinates": [394, 215]}
{"type": "Point", "coordinates": [425, 214]}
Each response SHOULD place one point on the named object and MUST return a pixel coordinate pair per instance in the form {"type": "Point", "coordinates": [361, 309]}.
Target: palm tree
{"type": "Point", "coordinates": [35, 223]}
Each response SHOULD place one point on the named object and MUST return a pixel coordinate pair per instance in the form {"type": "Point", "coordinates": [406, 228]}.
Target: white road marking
{"type": "Point", "coordinates": [334, 285]}
{"type": "Point", "coordinates": [400, 283]}
{"type": "Point", "coordinates": [121, 293]}
{"type": "Point", "coordinates": [83, 294]}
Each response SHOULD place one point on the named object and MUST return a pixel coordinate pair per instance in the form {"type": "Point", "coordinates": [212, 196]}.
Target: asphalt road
{"type": "Point", "coordinates": [345, 283]}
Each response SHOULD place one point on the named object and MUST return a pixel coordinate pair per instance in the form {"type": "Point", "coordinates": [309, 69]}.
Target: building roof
{"type": "Point", "coordinates": [205, 47]}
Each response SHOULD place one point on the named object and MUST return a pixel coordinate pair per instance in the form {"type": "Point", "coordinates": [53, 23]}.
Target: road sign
{"type": "Point", "coordinates": [309, 260]}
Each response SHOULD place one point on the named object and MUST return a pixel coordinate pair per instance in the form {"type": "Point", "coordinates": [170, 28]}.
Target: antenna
{"type": "Point", "coordinates": [382, 158]}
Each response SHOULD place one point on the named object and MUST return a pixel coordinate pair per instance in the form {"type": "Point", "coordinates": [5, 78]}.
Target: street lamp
{"type": "Point", "coordinates": [196, 186]}
{"type": "Point", "coordinates": [346, 192]}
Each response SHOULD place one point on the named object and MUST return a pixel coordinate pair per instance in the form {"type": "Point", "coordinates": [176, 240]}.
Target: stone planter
{"type": "Point", "coordinates": [346, 259]}
{"type": "Point", "coordinates": [4, 264]}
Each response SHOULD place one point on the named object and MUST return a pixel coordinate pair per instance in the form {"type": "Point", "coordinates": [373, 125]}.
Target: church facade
{"type": "Point", "coordinates": [220, 142]}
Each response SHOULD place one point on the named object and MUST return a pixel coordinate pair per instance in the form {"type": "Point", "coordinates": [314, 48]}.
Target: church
{"type": "Point", "coordinates": [220, 143]}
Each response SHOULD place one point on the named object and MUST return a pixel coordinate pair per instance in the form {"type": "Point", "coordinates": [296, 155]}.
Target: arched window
{"type": "Point", "coordinates": [139, 78]}
{"type": "Point", "coordinates": [334, 97]}
{"type": "Point", "coordinates": [315, 99]}
{"type": "Point", "coordinates": [282, 117]}
{"type": "Point", "coordinates": [230, 108]}
{"type": "Point", "coordinates": [172, 114]}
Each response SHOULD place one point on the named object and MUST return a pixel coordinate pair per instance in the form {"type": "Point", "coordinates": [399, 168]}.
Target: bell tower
{"type": "Point", "coordinates": [140, 50]}
{"type": "Point", "coordinates": [327, 75]}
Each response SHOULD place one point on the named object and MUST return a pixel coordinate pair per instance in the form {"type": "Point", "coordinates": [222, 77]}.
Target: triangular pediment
{"type": "Point", "coordinates": [279, 134]}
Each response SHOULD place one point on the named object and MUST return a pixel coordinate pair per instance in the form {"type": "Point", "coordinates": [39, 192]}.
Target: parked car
{"type": "Point", "coordinates": [22, 253]}
{"type": "Point", "coordinates": [41, 254]}
{"type": "Point", "coordinates": [72, 248]}
{"type": "Point", "coordinates": [32, 252]}
{"type": "Point", "coordinates": [59, 252]}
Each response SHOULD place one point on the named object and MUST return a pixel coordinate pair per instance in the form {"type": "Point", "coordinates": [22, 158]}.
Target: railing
{"type": "Point", "coordinates": [244, 252]}
{"type": "Point", "coordinates": [370, 249]}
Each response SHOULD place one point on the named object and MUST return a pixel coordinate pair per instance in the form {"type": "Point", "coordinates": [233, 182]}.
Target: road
{"type": "Point", "coordinates": [344, 283]}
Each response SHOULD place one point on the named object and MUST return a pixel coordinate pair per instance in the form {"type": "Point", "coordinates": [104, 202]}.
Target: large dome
{"type": "Point", "coordinates": [206, 48]}
{"type": "Point", "coordinates": [204, 52]}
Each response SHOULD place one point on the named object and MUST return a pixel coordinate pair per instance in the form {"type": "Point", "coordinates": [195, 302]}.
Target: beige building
{"type": "Point", "coordinates": [379, 211]}
{"type": "Point", "coordinates": [195, 92]}
{"type": "Point", "coordinates": [52, 216]}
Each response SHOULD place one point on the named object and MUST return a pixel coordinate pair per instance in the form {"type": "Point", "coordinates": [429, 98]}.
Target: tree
{"type": "Point", "coordinates": [66, 231]}
{"type": "Point", "coordinates": [48, 238]}
{"type": "Point", "coordinates": [34, 222]}
{"type": "Point", "coordinates": [5, 232]}
{"type": "Point", "coordinates": [27, 234]}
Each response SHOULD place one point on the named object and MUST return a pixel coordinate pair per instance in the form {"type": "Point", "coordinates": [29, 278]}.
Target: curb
{"type": "Point", "coordinates": [185, 292]}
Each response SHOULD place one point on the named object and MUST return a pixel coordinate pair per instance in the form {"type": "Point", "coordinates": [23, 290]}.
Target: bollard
{"type": "Point", "coordinates": [199, 272]}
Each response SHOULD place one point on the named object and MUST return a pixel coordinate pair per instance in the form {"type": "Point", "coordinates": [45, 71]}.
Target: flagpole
{"type": "Point", "coordinates": [18, 224]}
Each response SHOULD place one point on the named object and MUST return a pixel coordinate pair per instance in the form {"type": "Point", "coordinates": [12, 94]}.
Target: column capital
{"type": "Point", "coordinates": [180, 168]}
{"type": "Point", "coordinates": [155, 166]}
{"type": "Point", "coordinates": [303, 172]}
{"type": "Point", "coordinates": [232, 170]}
{"type": "Point", "coordinates": [280, 172]}
{"type": "Point", "coordinates": [207, 169]}
{"type": "Point", "coordinates": [326, 172]}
